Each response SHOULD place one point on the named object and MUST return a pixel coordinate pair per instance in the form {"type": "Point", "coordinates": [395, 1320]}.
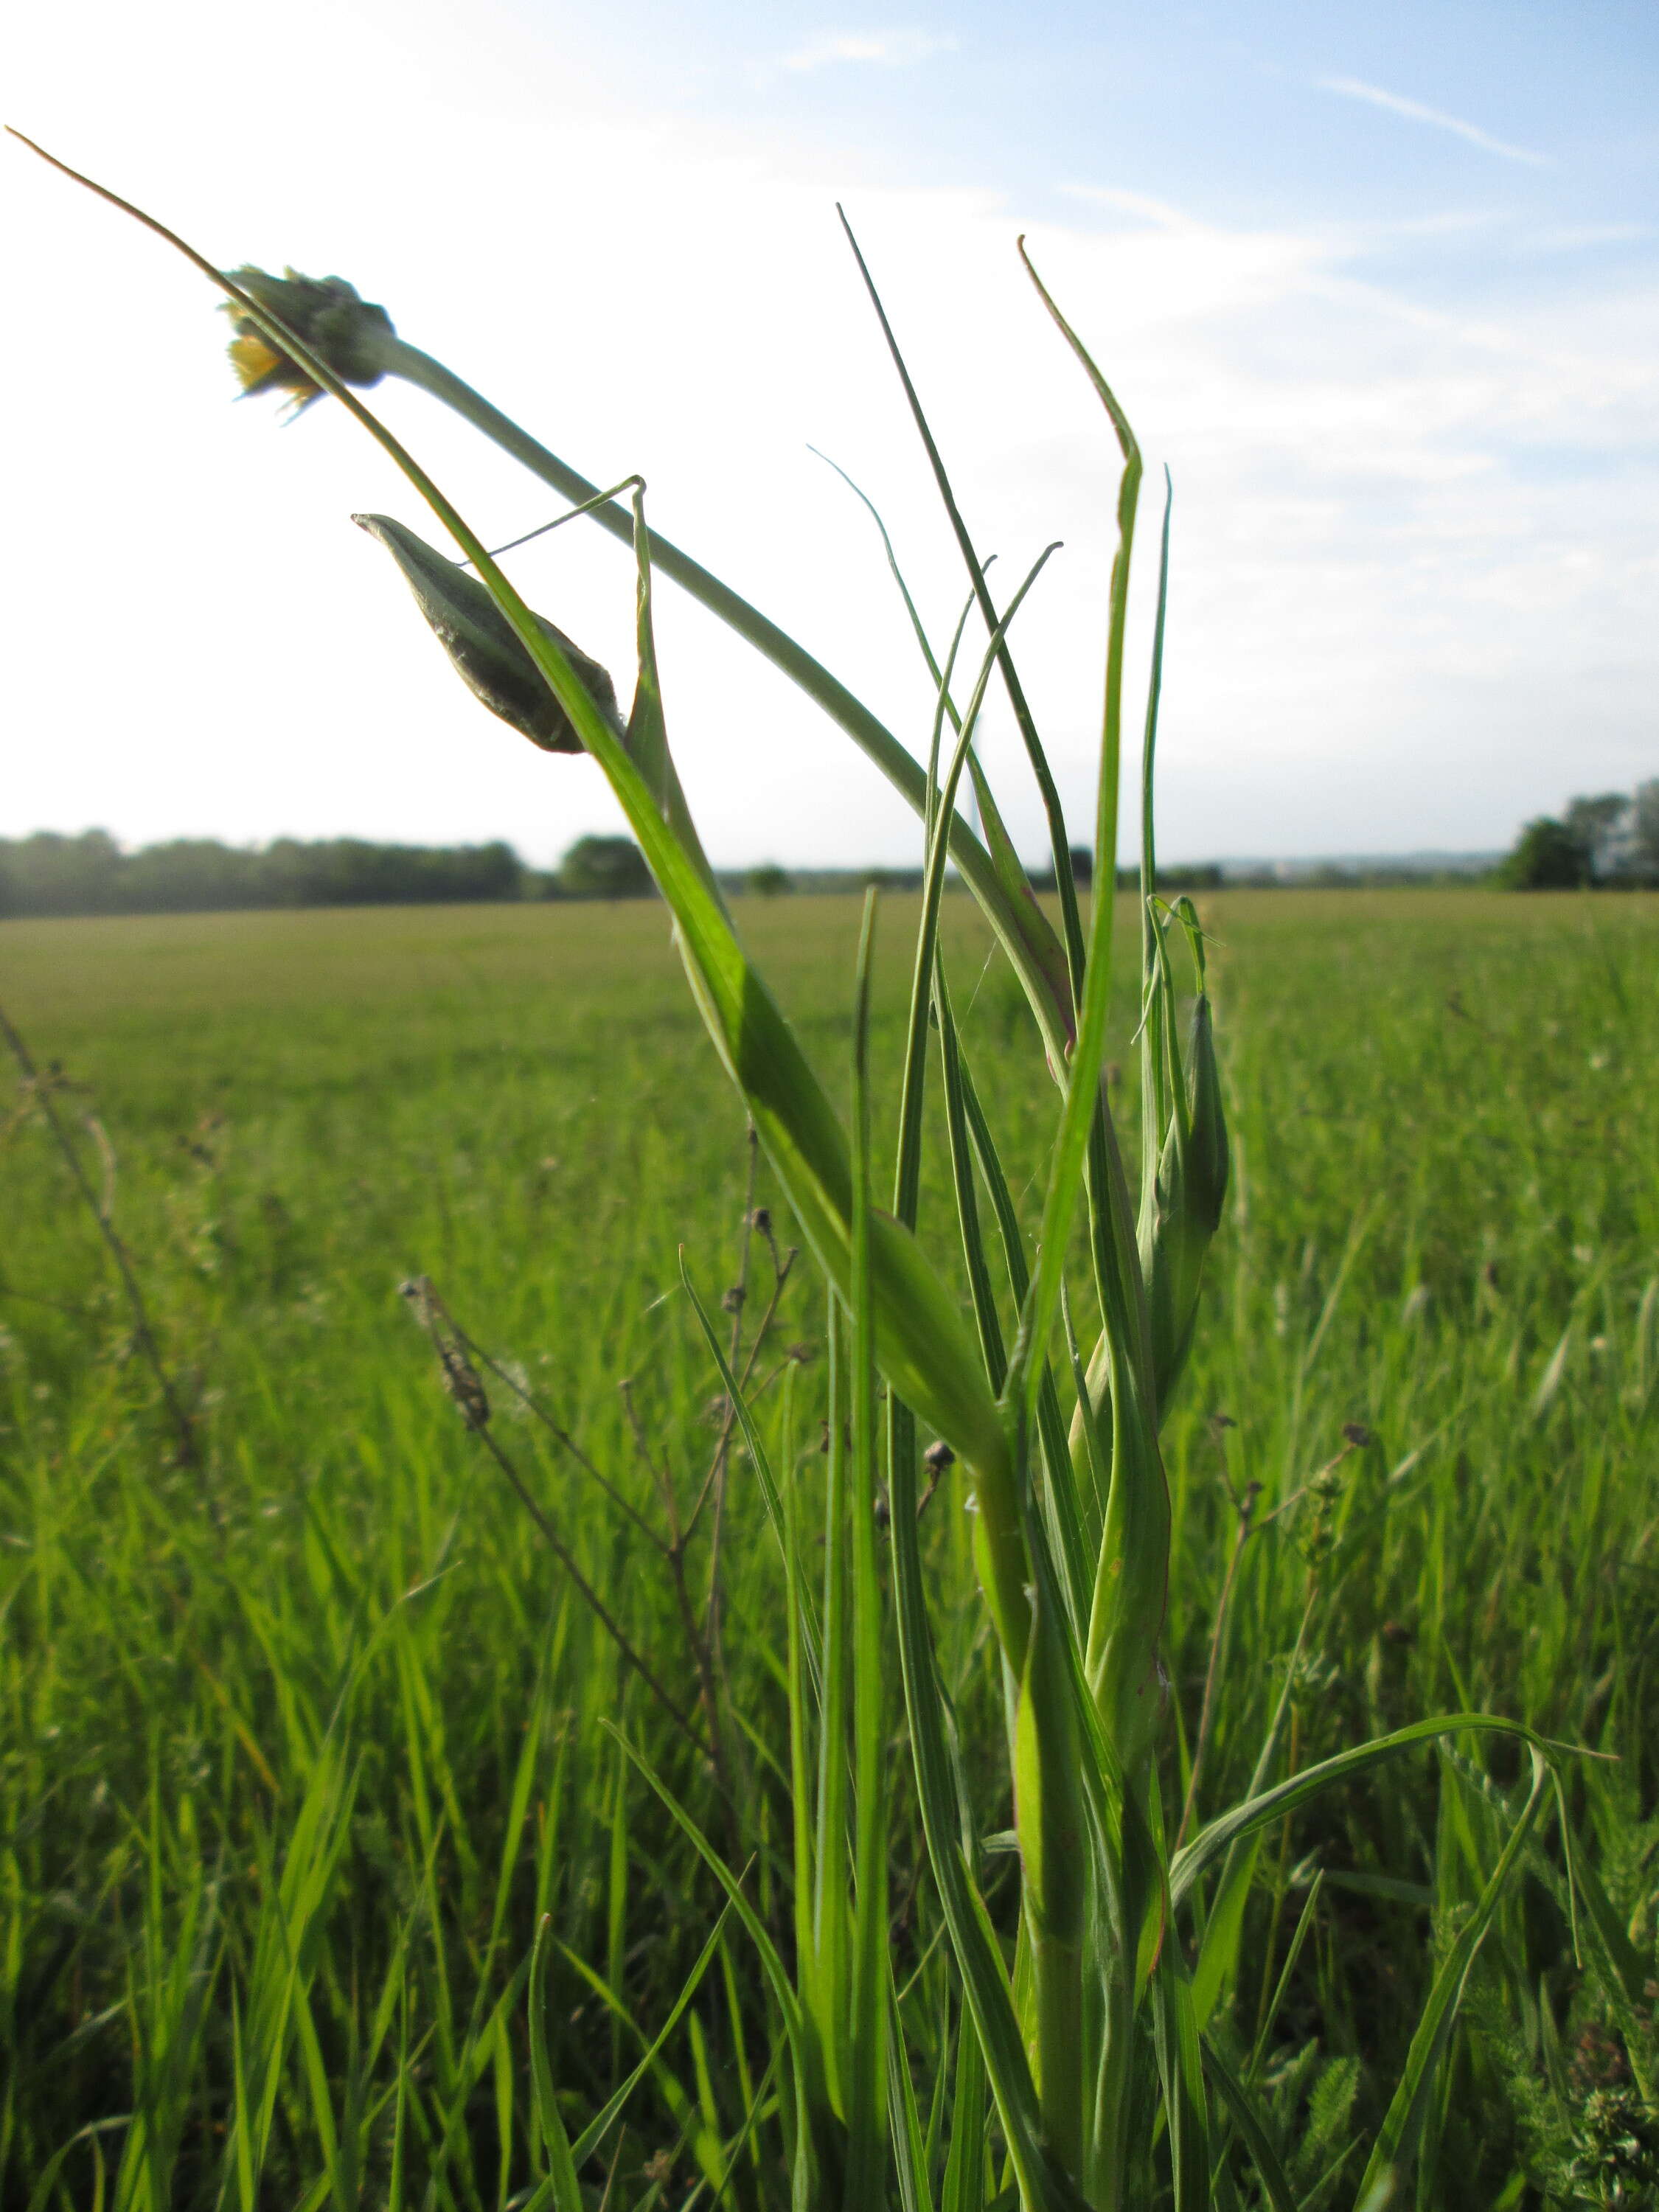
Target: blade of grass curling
{"type": "Point", "coordinates": [1398, 2138]}
{"type": "Point", "coordinates": [1011, 925]}
{"type": "Point", "coordinates": [1213, 1841]}
{"type": "Point", "coordinates": [867, 2146]}
{"type": "Point", "coordinates": [1053, 813]}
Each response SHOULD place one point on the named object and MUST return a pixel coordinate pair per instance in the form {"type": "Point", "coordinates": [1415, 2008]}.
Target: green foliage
{"type": "Point", "coordinates": [1611, 840]}
{"type": "Point", "coordinates": [172, 1640]}
{"type": "Point", "coordinates": [1548, 856]}
{"type": "Point", "coordinates": [605, 868]}
{"type": "Point", "coordinates": [89, 874]}
{"type": "Point", "coordinates": [768, 881]}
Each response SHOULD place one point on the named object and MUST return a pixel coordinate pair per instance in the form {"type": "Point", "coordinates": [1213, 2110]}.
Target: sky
{"type": "Point", "coordinates": [1380, 287]}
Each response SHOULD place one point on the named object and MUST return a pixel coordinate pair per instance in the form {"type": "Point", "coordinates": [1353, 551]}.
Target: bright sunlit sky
{"type": "Point", "coordinates": [1379, 283]}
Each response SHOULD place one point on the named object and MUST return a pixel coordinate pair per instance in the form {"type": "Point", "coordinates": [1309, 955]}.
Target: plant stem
{"type": "Point", "coordinates": [144, 1335]}
{"type": "Point", "coordinates": [870, 734]}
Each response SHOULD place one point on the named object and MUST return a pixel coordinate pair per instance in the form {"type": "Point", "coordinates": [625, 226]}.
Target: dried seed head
{"type": "Point", "coordinates": [461, 1380]}
{"type": "Point", "coordinates": [1357, 1434]}
{"type": "Point", "coordinates": [937, 1458]}
{"type": "Point", "coordinates": [731, 1301]}
{"type": "Point", "coordinates": [760, 1220]}
{"type": "Point", "coordinates": [342, 328]}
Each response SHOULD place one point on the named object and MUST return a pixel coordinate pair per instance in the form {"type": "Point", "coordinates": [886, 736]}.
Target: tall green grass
{"type": "Point", "coordinates": [408, 1090]}
{"type": "Point", "coordinates": [1071, 2031]}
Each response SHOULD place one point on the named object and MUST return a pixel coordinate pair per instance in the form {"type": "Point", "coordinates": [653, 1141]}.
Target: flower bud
{"type": "Point", "coordinates": [482, 646]}
{"type": "Point", "coordinates": [342, 330]}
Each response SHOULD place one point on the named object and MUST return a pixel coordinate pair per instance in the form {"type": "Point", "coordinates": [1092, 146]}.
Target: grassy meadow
{"type": "Point", "coordinates": [299, 1741]}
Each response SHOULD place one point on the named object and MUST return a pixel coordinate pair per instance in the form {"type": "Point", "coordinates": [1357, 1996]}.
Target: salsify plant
{"type": "Point", "coordinates": [1088, 2066]}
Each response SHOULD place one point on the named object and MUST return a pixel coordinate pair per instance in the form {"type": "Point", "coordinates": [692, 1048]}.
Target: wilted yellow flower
{"type": "Point", "coordinates": [345, 330]}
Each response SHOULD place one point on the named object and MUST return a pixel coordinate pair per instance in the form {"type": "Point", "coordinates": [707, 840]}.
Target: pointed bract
{"type": "Point", "coordinates": [480, 642]}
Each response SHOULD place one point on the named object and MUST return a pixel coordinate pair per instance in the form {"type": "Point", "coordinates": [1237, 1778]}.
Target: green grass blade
{"type": "Point", "coordinates": [1275, 2183]}
{"type": "Point", "coordinates": [1401, 2131]}
{"type": "Point", "coordinates": [1053, 812]}
{"type": "Point", "coordinates": [566, 2195]}
{"type": "Point", "coordinates": [986, 1992]}
{"type": "Point", "coordinates": [1046, 948]}
{"type": "Point", "coordinates": [965, 2163]}
{"type": "Point", "coordinates": [831, 1934]}
{"type": "Point", "coordinates": [811, 2111]}
{"type": "Point", "coordinates": [866, 2122]}
{"type": "Point", "coordinates": [606, 2118]}
{"type": "Point", "coordinates": [1180, 2067]}
{"type": "Point", "coordinates": [1212, 1842]}
{"type": "Point", "coordinates": [760, 1459]}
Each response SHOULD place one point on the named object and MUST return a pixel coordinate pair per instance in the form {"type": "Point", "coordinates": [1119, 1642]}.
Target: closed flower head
{"type": "Point", "coordinates": [345, 332]}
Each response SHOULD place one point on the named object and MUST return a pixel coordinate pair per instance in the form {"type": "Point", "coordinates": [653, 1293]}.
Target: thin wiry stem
{"type": "Point", "coordinates": [101, 1212]}
{"type": "Point", "coordinates": [461, 1381]}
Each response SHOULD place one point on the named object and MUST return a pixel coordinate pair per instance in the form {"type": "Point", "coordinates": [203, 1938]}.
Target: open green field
{"type": "Point", "coordinates": [297, 1743]}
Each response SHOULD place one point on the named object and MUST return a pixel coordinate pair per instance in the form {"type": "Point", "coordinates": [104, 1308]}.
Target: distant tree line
{"type": "Point", "coordinates": [52, 874]}
{"type": "Point", "coordinates": [1610, 840]}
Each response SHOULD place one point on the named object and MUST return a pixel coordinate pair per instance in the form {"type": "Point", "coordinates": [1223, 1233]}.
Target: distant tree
{"type": "Point", "coordinates": [768, 881]}
{"type": "Point", "coordinates": [47, 874]}
{"type": "Point", "coordinates": [1600, 826]}
{"type": "Point", "coordinates": [1083, 870]}
{"type": "Point", "coordinates": [1548, 857]}
{"type": "Point", "coordinates": [1644, 852]}
{"type": "Point", "coordinates": [606, 868]}
{"type": "Point", "coordinates": [51, 874]}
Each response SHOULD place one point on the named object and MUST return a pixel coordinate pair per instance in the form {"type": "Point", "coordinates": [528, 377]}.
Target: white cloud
{"type": "Point", "coordinates": [894, 48]}
{"type": "Point", "coordinates": [1353, 88]}
{"type": "Point", "coordinates": [1576, 237]}
{"type": "Point", "coordinates": [1158, 213]}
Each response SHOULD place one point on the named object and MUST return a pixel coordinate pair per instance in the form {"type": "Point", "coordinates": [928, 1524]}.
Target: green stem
{"type": "Point", "coordinates": [870, 735]}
